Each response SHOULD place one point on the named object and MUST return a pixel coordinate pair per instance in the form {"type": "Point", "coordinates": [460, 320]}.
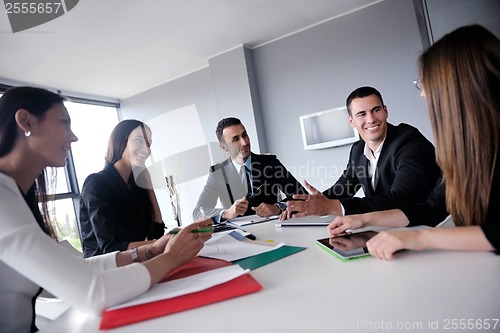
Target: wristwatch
{"type": "Point", "coordinates": [281, 206]}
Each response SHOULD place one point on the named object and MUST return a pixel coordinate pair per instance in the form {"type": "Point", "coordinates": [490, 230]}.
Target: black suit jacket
{"type": "Point", "coordinates": [405, 175]}
{"type": "Point", "coordinates": [112, 214]}
{"type": "Point", "coordinates": [270, 180]}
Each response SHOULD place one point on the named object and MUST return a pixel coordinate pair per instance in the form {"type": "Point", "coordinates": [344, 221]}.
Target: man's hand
{"type": "Point", "coordinates": [266, 210]}
{"type": "Point", "coordinates": [238, 208]}
{"type": "Point", "coordinates": [312, 204]}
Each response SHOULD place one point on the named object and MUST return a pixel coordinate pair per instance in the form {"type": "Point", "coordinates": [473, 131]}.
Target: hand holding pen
{"type": "Point", "coordinates": [204, 225]}
{"type": "Point", "coordinates": [186, 243]}
{"type": "Point", "coordinates": [196, 231]}
{"type": "Point", "coordinates": [189, 239]}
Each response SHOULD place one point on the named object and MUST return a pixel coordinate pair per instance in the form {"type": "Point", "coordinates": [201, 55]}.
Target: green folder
{"type": "Point", "coordinates": [265, 258]}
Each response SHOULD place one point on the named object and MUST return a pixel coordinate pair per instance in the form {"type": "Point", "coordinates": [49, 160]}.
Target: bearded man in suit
{"type": "Point", "coordinates": [246, 183]}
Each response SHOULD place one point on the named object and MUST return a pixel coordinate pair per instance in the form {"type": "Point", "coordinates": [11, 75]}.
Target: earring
{"type": "Point", "coordinates": [27, 133]}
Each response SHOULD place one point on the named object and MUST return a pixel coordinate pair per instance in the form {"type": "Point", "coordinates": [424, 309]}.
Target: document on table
{"type": "Point", "coordinates": [234, 246]}
{"type": "Point", "coordinates": [241, 221]}
{"type": "Point", "coordinates": [187, 285]}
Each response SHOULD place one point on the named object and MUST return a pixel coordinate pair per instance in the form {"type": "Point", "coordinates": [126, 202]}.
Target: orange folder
{"type": "Point", "coordinates": [242, 285]}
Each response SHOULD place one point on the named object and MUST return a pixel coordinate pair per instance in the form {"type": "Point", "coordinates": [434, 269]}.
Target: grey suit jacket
{"type": "Point", "coordinates": [271, 181]}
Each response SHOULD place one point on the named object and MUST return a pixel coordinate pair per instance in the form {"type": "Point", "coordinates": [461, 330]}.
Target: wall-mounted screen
{"type": "Point", "coordinates": [329, 128]}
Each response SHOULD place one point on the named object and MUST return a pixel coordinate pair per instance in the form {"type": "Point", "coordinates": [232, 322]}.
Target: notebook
{"type": "Point", "coordinates": [311, 220]}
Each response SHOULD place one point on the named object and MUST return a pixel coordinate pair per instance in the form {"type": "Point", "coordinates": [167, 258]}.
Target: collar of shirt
{"type": "Point", "coordinates": [248, 164]}
{"type": "Point", "coordinates": [372, 157]}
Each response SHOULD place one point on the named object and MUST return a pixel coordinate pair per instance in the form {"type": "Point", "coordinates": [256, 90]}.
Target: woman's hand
{"type": "Point", "coordinates": [385, 243]}
{"type": "Point", "coordinates": [342, 223]}
{"type": "Point", "coordinates": [159, 246]}
{"type": "Point", "coordinates": [178, 249]}
{"type": "Point", "coordinates": [183, 246]}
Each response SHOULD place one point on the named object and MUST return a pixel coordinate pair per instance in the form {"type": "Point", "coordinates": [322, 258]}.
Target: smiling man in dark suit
{"type": "Point", "coordinates": [394, 165]}
{"type": "Point", "coordinates": [245, 183]}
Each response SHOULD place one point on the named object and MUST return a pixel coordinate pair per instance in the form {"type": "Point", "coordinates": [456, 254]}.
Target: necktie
{"type": "Point", "coordinates": [247, 176]}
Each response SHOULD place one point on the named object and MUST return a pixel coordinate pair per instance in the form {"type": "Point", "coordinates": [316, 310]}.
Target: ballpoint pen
{"type": "Point", "coordinates": [176, 231]}
{"type": "Point", "coordinates": [252, 195]}
{"type": "Point", "coordinates": [199, 230]}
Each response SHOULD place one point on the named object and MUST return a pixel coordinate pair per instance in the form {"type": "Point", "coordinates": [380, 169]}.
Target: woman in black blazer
{"type": "Point", "coordinates": [118, 208]}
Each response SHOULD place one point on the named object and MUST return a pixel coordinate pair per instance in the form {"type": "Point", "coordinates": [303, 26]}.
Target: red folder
{"type": "Point", "coordinates": [242, 285]}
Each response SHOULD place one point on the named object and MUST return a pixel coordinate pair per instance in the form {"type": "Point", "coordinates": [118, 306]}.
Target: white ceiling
{"type": "Point", "coordinates": [118, 48]}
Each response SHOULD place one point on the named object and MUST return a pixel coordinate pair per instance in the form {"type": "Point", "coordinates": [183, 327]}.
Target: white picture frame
{"type": "Point", "coordinates": [326, 129]}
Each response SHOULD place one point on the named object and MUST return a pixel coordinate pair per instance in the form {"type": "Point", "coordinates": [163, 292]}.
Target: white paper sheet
{"type": "Point", "coordinates": [233, 246]}
{"type": "Point", "coordinates": [187, 285]}
{"type": "Point", "coordinates": [251, 219]}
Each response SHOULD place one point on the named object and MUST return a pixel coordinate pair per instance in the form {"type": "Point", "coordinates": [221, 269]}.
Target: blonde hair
{"type": "Point", "coordinates": [461, 80]}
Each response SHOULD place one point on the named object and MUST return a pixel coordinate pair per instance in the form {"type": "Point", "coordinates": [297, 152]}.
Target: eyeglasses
{"type": "Point", "coordinates": [418, 84]}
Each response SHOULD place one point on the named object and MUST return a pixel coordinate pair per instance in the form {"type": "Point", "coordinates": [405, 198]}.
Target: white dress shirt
{"type": "Point", "coordinates": [372, 157]}
{"type": "Point", "coordinates": [240, 168]}
{"type": "Point", "coordinates": [30, 259]}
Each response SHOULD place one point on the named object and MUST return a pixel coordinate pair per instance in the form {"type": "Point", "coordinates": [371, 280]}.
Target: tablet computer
{"type": "Point", "coordinates": [348, 246]}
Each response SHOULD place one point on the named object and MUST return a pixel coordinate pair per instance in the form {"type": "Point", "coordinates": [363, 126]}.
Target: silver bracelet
{"type": "Point", "coordinates": [134, 255]}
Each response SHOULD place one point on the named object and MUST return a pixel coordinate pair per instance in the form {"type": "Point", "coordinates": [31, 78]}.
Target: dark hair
{"type": "Point", "coordinates": [119, 138]}
{"type": "Point", "coordinates": [116, 146]}
{"type": "Point", "coordinates": [460, 74]}
{"type": "Point", "coordinates": [226, 122]}
{"type": "Point", "coordinates": [360, 93]}
{"type": "Point", "coordinates": [36, 101]}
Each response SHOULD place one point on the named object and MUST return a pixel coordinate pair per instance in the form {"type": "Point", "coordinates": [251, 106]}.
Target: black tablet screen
{"type": "Point", "coordinates": [349, 245]}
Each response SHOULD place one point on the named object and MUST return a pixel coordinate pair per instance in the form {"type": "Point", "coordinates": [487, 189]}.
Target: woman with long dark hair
{"type": "Point", "coordinates": [118, 207]}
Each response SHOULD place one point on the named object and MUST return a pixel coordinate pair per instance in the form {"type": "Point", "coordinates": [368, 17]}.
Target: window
{"type": "Point", "coordinates": [92, 124]}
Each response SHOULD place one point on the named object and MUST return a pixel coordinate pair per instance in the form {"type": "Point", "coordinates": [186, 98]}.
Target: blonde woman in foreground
{"type": "Point", "coordinates": [460, 80]}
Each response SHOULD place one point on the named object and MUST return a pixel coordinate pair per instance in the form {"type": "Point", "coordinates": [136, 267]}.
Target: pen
{"type": "Point", "coordinates": [252, 195]}
{"type": "Point", "coordinates": [176, 231]}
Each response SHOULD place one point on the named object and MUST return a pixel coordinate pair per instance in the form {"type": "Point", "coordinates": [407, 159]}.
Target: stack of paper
{"type": "Point", "coordinates": [233, 246]}
{"type": "Point", "coordinates": [186, 285]}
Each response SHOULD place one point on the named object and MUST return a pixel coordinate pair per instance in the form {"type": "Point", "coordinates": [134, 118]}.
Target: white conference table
{"type": "Point", "coordinates": [310, 291]}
